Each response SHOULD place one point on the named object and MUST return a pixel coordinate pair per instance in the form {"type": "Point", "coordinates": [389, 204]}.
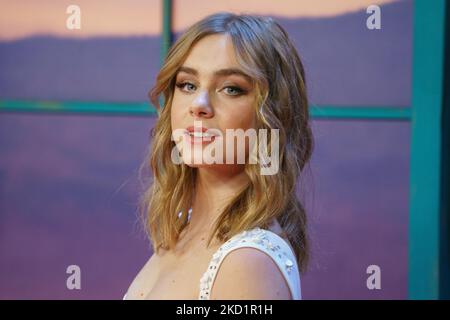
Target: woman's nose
{"type": "Point", "coordinates": [201, 105]}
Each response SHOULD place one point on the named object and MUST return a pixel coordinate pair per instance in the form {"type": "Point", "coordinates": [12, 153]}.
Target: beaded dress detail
{"type": "Point", "coordinates": [264, 240]}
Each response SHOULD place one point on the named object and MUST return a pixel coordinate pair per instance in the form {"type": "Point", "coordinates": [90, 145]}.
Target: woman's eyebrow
{"type": "Point", "coordinates": [218, 73]}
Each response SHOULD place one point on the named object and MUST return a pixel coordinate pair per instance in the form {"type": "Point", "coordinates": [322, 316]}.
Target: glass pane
{"type": "Point", "coordinates": [70, 199]}
{"type": "Point", "coordinates": [346, 63]}
{"type": "Point", "coordinates": [114, 56]}
{"type": "Point", "coordinates": [357, 201]}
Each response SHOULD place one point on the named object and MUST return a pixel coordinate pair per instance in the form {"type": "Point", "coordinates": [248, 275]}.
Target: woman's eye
{"type": "Point", "coordinates": [233, 91]}
{"type": "Point", "coordinates": [230, 90]}
{"type": "Point", "coordinates": [186, 86]}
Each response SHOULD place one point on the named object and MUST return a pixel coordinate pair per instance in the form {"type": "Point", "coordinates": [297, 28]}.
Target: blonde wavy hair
{"type": "Point", "coordinates": [266, 53]}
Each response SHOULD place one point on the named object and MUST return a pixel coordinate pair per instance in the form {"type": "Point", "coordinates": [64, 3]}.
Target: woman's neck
{"type": "Point", "coordinates": [214, 188]}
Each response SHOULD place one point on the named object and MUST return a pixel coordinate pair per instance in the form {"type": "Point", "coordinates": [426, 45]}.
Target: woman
{"type": "Point", "coordinates": [227, 73]}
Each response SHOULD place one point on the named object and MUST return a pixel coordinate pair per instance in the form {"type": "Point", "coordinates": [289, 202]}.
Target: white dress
{"type": "Point", "coordinates": [261, 239]}
{"type": "Point", "coordinates": [264, 240]}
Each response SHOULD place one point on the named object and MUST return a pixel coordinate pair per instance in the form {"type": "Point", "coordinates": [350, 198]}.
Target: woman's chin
{"type": "Point", "coordinates": [199, 164]}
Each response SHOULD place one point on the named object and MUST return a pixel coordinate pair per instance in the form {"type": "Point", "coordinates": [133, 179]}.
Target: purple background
{"type": "Point", "coordinates": [69, 185]}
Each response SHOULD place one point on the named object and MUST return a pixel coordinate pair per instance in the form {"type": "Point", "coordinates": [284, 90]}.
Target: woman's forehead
{"type": "Point", "coordinates": [222, 72]}
{"type": "Point", "coordinates": [213, 50]}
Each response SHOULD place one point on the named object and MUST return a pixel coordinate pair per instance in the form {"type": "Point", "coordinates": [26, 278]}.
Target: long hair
{"type": "Point", "coordinates": [266, 53]}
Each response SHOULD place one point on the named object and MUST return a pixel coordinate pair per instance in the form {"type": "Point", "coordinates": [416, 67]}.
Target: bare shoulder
{"type": "Point", "coordinates": [249, 273]}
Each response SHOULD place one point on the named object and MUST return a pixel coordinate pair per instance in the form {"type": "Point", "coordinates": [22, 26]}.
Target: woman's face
{"type": "Point", "coordinates": [215, 93]}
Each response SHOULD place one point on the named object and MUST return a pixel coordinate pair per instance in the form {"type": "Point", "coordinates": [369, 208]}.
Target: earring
{"type": "Point", "coordinates": [189, 214]}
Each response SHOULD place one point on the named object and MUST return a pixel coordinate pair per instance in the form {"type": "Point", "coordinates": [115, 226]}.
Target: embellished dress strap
{"type": "Point", "coordinates": [264, 240]}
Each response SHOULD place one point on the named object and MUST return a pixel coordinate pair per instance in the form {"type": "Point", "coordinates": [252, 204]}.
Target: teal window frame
{"type": "Point", "coordinates": [429, 114]}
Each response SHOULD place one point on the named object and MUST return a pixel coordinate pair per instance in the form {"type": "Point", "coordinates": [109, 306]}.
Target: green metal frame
{"type": "Point", "coordinates": [167, 28]}
{"type": "Point", "coordinates": [143, 109]}
{"type": "Point", "coordinates": [428, 219]}
{"type": "Point", "coordinates": [83, 107]}
{"type": "Point", "coordinates": [428, 261]}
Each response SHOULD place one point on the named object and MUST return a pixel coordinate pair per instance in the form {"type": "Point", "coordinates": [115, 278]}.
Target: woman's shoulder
{"type": "Point", "coordinates": [251, 249]}
{"type": "Point", "coordinates": [270, 242]}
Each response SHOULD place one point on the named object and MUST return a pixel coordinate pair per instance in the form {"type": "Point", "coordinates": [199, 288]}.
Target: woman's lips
{"type": "Point", "coordinates": [196, 129]}
{"type": "Point", "coordinates": [200, 135]}
{"type": "Point", "coordinates": [197, 137]}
